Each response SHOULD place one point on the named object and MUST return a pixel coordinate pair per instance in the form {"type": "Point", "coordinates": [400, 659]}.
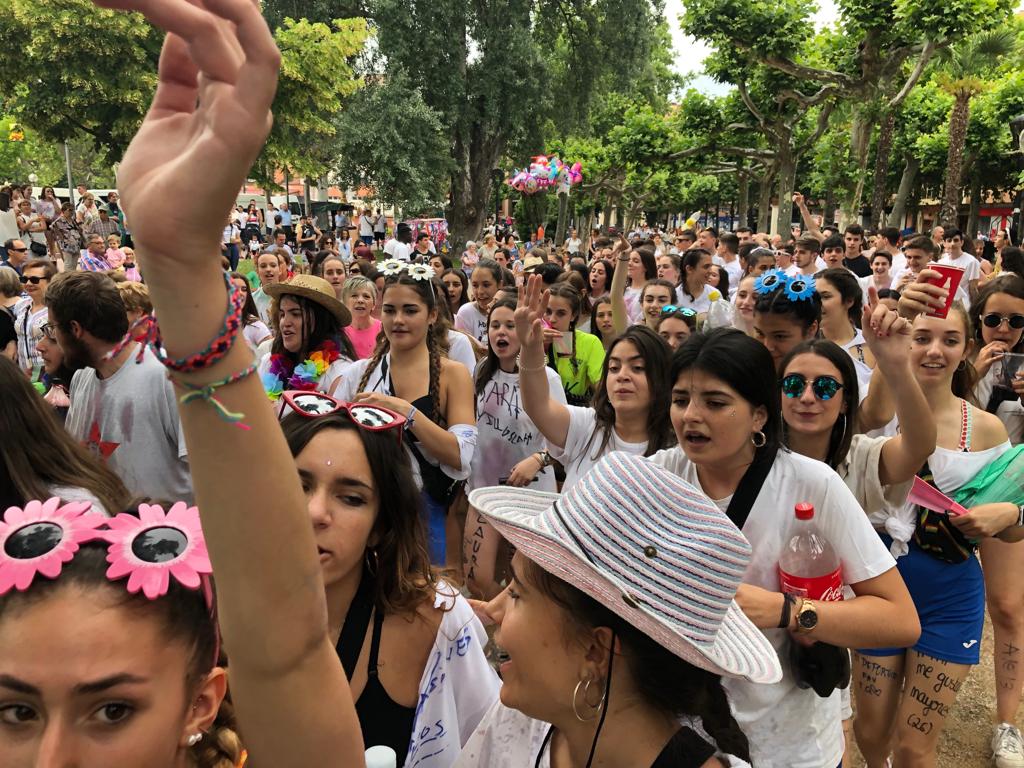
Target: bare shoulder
{"type": "Point", "coordinates": [988, 430]}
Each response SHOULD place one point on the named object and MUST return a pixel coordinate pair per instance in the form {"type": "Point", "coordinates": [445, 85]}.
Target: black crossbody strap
{"type": "Point", "coordinates": [750, 486]}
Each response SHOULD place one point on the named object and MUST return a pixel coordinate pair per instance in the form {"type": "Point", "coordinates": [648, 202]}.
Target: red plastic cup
{"type": "Point", "coordinates": [950, 280]}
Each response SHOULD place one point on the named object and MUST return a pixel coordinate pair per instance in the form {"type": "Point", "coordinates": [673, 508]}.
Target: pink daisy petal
{"type": "Point", "coordinates": [185, 574]}
{"type": "Point", "coordinates": [119, 569]}
{"type": "Point", "coordinates": [150, 514]}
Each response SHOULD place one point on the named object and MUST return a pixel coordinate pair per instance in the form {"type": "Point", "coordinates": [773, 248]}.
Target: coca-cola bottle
{"type": "Point", "coordinates": [809, 566]}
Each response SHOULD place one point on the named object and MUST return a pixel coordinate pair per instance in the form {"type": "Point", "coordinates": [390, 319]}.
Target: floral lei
{"type": "Point", "coordinates": [284, 374]}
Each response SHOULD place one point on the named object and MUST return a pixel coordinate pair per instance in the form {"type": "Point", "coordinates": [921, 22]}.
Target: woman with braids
{"type": "Point", "coordinates": [510, 449]}
{"type": "Point", "coordinates": [627, 412]}
{"type": "Point", "coordinates": [409, 374]}
{"type": "Point", "coordinates": [258, 532]}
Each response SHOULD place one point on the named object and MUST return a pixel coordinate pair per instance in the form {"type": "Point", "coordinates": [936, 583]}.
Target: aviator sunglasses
{"type": "Point", "coordinates": [823, 387]}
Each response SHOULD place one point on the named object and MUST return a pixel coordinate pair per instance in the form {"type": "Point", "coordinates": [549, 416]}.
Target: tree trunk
{"type": "Point", "coordinates": [563, 210]}
{"type": "Point", "coordinates": [972, 218]}
{"type": "Point", "coordinates": [470, 185]}
{"type": "Point", "coordinates": [882, 152]}
{"type": "Point", "coordinates": [764, 201]}
{"type": "Point", "coordinates": [951, 195]}
{"type": "Point", "coordinates": [860, 142]}
{"type": "Point", "coordinates": [911, 166]}
{"type": "Point", "coordinates": [743, 199]}
{"type": "Point", "coordinates": [787, 182]}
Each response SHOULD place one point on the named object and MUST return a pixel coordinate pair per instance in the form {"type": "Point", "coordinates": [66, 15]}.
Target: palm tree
{"type": "Point", "coordinates": [964, 67]}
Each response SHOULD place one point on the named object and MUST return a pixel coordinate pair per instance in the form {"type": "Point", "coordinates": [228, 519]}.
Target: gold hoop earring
{"type": "Point", "coordinates": [754, 439]}
{"type": "Point", "coordinates": [596, 707]}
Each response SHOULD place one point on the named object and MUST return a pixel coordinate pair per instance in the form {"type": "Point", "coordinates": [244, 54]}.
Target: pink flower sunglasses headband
{"type": "Point", "coordinates": [149, 549]}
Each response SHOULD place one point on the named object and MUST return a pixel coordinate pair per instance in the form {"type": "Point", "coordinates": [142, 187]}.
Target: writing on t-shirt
{"type": "Point", "coordinates": [502, 393]}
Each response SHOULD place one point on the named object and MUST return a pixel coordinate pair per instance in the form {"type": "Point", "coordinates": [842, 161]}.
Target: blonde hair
{"type": "Point", "coordinates": [356, 283]}
{"type": "Point", "coordinates": [221, 747]}
{"type": "Point", "coordinates": [135, 297]}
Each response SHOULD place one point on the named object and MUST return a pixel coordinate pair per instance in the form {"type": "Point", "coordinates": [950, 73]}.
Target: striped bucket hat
{"type": "Point", "coordinates": [650, 547]}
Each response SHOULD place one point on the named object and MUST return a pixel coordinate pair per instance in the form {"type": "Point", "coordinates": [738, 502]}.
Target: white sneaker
{"type": "Point", "coordinates": [1007, 746]}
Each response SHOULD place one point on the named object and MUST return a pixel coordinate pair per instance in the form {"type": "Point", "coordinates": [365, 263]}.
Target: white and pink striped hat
{"type": "Point", "coordinates": [650, 547]}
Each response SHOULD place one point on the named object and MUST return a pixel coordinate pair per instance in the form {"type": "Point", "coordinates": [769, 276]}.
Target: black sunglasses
{"type": "Point", "coordinates": [49, 331]}
{"type": "Point", "coordinates": [18, 250]}
{"type": "Point", "coordinates": [34, 279]}
{"type": "Point", "coordinates": [994, 320]}
{"type": "Point", "coordinates": [823, 387]}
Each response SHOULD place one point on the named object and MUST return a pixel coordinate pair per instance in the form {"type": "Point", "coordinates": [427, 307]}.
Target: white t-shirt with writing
{"type": "Point", "coordinates": [580, 453]}
{"type": "Point", "coordinates": [471, 320]}
{"type": "Point", "coordinates": [507, 435]}
{"type": "Point", "coordinates": [790, 727]}
{"type": "Point", "coordinates": [130, 421]}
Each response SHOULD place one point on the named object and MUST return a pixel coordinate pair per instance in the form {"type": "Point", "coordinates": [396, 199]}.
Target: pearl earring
{"type": "Point", "coordinates": [194, 739]}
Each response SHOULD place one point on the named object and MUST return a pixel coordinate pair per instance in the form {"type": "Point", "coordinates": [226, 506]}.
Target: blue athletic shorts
{"type": "Point", "coordinates": [950, 601]}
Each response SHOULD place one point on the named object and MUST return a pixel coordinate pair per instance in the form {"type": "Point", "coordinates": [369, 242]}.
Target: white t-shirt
{"type": "Point", "coordinates": [573, 245]}
{"type": "Point", "coordinates": [397, 249]}
{"type": "Point", "coordinates": [255, 332]}
{"type": "Point", "coordinates": [365, 226]}
{"type": "Point", "coordinates": [507, 435]}
{"type": "Point", "coordinates": [460, 349]}
{"type": "Point", "coordinates": [471, 320]}
{"type": "Point", "coordinates": [506, 738]}
{"type": "Point", "coordinates": [699, 305]}
{"type": "Point", "coordinates": [790, 727]}
{"type": "Point", "coordinates": [1010, 412]}
{"type": "Point", "coordinates": [970, 265]}
{"type": "Point", "coordinates": [130, 421]}
{"type": "Point", "coordinates": [735, 271]}
{"type": "Point", "coordinates": [580, 453]}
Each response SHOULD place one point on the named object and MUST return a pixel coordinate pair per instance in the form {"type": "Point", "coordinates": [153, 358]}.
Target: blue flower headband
{"type": "Point", "coordinates": [796, 287]}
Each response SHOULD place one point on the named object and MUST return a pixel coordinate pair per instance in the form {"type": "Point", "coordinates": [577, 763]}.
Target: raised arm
{"type": "Point", "coordinates": [209, 119]}
{"type": "Point", "coordinates": [617, 291]}
{"type": "Point", "coordinates": [550, 416]}
{"type": "Point", "coordinates": [805, 215]}
{"type": "Point", "coordinates": [888, 337]}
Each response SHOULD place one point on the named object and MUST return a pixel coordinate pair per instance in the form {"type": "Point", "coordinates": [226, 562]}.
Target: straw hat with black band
{"type": "Point", "coordinates": [315, 289]}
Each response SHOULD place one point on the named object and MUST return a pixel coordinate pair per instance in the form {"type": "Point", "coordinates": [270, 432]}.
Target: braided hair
{"type": "Point", "coordinates": [428, 292]}
{"type": "Point", "coordinates": [220, 747]}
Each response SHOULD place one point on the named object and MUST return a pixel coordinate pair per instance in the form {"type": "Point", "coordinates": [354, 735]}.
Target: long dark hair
{"type": "Point", "coordinates": [647, 258]}
{"type": "Point", "coordinates": [609, 273]}
{"type": "Point", "coordinates": [428, 292]}
{"type": "Point", "coordinates": [846, 425]}
{"type": "Point", "coordinates": [656, 356]}
{"type": "Point", "coordinates": [691, 260]}
{"type": "Point", "coordinates": [464, 298]}
{"type": "Point", "coordinates": [487, 367]}
{"type": "Point", "coordinates": [742, 363]}
{"type": "Point", "coordinates": [38, 453]}
{"type": "Point", "coordinates": [1011, 285]}
{"type": "Point", "coordinates": [845, 282]}
{"type": "Point", "coordinates": [664, 681]}
{"type": "Point", "coordinates": [404, 578]}
{"type": "Point", "coordinates": [325, 328]}
{"type": "Point", "coordinates": [593, 314]}
{"type": "Point", "coordinates": [249, 312]}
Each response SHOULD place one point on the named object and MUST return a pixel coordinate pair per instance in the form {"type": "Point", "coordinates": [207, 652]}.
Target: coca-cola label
{"type": "Point", "coordinates": [828, 587]}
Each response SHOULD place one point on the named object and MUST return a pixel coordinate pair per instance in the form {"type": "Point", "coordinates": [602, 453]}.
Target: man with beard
{"type": "Point", "coordinates": [123, 410]}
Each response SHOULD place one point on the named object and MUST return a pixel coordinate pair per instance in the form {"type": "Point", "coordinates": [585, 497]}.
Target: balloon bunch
{"type": "Point", "coordinates": [546, 172]}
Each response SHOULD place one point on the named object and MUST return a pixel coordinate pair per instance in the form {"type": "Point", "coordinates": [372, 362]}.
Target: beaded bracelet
{"type": "Point", "coordinates": [214, 351]}
{"type": "Point", "coordinates": [207, 393]}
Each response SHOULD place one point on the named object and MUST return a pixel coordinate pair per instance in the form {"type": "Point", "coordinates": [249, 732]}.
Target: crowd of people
{"type": "Point", "coordinates": [522, 508]}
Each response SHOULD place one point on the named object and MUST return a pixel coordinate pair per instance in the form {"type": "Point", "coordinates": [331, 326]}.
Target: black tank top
{"type": "Point", "coordinates": [381, 720]}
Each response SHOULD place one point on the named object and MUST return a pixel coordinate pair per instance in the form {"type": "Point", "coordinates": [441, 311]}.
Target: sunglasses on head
{"type": "Point", "coordinates": [823, 387]}
{"type": "Point", "coordinates": [994, 320]}
{"type": "Point", "coordinates": [34, 279]}
{"type": "Point", "coordinates": [312, 405]}
{"type": "Point", "coordinates": [686, 311]}
{"type": "Point", "coordinates": [49, 331]}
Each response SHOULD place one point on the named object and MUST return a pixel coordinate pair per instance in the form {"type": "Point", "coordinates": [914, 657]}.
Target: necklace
{"type": "Point", "coordinates": [284, 373]}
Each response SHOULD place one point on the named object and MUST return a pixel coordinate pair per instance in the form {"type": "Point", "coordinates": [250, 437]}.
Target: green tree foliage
{"type": "Point", "coordinates": [70, 68]}
{"type": "Point", "coordinates": [388, 139]}
{"type": "Point", "coordinates": [316, 77]}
